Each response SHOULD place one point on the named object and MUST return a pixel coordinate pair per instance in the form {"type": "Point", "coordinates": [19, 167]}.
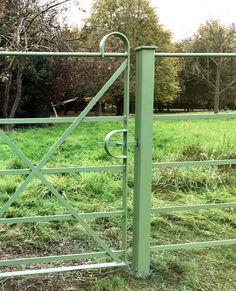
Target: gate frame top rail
{"type": "Point", "coordinates": [101, 52]}
{"type": "Point", "coordinates": [61, 54]}
{"type": "Point", "coordinates": [193, 55]}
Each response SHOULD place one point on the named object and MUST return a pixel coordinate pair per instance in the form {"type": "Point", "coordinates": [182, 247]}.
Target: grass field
{"type": "Point", "coordinates": [199, 269]}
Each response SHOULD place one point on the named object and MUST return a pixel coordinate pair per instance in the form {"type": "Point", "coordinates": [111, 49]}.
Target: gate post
{"type": "Point", "coordinates": [145, 66]}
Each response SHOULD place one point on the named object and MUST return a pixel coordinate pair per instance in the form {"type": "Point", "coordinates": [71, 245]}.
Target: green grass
{"type": "Point", "coordinates": [199, 269]}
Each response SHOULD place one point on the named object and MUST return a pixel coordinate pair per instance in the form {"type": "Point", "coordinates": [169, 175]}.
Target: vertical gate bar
{"type": "Point", "coordinates": [145, 66]}
{"type": "Point", "coordinates": [125, 161]}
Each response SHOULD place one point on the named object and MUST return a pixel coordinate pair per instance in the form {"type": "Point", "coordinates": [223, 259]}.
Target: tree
{"type": "Point", "coordinates": [218, 74]}
{"type": "Point", "coordinates": [25, 25]}
{"type": "Point", "coordinates": [37, 88]}
{"type": "Point", "coordinates": [139, 22]}
{"type": "Point", "coordinates": [81, 78]}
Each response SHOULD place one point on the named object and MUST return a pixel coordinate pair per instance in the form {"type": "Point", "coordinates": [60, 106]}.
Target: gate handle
{"type": "Point", "coordinates": [107, 139]}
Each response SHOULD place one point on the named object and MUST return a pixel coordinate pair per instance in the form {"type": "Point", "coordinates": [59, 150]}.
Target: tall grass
{"type": "Point", "coordinates": [88, 192]}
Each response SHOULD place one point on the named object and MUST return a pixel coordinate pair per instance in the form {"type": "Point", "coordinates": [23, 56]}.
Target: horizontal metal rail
{"type": "Point", "coordinates": [190, 207]}
{"type": "Point", "coordinates": [117, 143]}
{"type": "Point", "coordinates": [15, 172]}
{"type": "Point", "coordinates": [66, 217]}
{"type": "Point", "coordinates": [176, 116]}
{"type": "Point", "coordinates": [113, 168]}
{"type": "Point", "coordinates": [59, 120]}
{"type": "Point", "coordinates": [163, 165]}
{"type": "Point", "coordinates": [61, 269]}
{"type": "Point", "coordinates": [194, 55]}
{"type": "Point", "coordinates": [186, 116]}
{"type": "Point", "coordinates": [191, 245]}
{"type": "Point", "coordinates": [48, 259]}
{"type": "Point", "coordinates": [61, 54]}
{"type": "Point", "coordinates": [118, 168]}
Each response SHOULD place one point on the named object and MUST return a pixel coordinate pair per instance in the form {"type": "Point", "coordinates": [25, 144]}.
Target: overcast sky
{"type": "Point", "coordinates": [181, 17]}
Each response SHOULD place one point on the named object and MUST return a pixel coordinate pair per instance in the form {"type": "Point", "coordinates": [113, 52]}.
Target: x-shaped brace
{"type": "Point", "coordinates": [36, 170]}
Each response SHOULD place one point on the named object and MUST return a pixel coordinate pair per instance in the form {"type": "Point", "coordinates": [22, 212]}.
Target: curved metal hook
{"type": "Point", "coordinates": [106, 142]}
{"type": "Point", "coordinates": [119, 35]}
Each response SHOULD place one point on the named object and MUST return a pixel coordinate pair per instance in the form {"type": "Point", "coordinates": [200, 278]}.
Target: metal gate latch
{"type": "Point", "coordinates": [107, 139]}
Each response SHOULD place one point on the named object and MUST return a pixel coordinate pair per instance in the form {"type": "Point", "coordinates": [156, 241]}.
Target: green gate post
{"type": "Point", "coordinates": [145, 66]}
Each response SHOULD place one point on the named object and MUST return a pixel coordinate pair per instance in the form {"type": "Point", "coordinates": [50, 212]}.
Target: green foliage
{"type": "Point", "coordinates": [136, 19]}
{"type": "Point", "coordinates": [27, 25]}
{"type": "Point", "coordinates": [209, 82]}
{"type": "Point", "coordinates": [139, 22]}
{"type": "Point", "coordinates": [37, 87]}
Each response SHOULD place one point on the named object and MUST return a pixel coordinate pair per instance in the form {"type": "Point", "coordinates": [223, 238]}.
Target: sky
{"type": "Point", "coordinates": [181, 17]}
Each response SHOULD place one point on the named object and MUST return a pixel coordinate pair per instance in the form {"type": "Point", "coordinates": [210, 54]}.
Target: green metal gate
{"type": "Point", "coordinates": [145, 67]}
{"type": "Point", "coordinates": [114, 257]}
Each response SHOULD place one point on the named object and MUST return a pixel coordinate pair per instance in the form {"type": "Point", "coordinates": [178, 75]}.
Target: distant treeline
{"type": "Point", "coordinates": [40, 86]}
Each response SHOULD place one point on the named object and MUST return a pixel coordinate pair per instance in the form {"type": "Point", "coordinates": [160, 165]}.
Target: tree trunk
{"type": "Point", "coordinates": [217, 88]}
{"type": "Point", "coordinates": [98, 108]}
{"type": "Point", "coordinates": [6, 96]}
{"type": "Point", "coordinates": [119, 105]}
{"type": "Point", "coordinates": [65, 109]}
{"type": "Point", "coordinates": [168, 106]}
{"type": "Point", "coordinates": [7, 89]}
{"type": "Point", "coordinates": [132, 107]}
{"type": "Point", "coordinates": [19, 76]}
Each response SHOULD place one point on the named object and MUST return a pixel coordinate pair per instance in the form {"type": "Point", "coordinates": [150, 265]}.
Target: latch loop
{"type": "Point", "coordinates": [107, 139]}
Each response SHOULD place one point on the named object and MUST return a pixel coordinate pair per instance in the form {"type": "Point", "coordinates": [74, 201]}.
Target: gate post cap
{"type": "Point", "coordinates": [148, 47]}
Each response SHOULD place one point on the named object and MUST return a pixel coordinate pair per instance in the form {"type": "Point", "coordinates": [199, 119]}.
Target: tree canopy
{"type": "Point", "coordinates": [28, 86]}
{"type": "Point", "coordinates": [138, 20]}
{"type": "Point", "coordinates": [211, 81]}
{"type": "Point", "coordinates": [25, 25]}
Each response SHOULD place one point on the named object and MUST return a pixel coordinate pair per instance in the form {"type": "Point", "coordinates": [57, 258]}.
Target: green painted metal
{"type": "Point", "coordinates": [190, 207]}
{"type": "Point", "coordinates": [144, 117]}
{"type": "Point", "coordinates": [186, 116]}
{"type": "Point", "coordinates": [191, 245]}
{"type": "Point", "coordinates": [117, 34]}
{"type": "Point", "coordinates": [60, 120]}
{"type": "Point", "coordinates": [47, 259]}
{"type": "Point", "coordinates": [48, 218]}
{"type": "Point", "coordinates": [31, 171]}
{"type": "Point", "coordinates": [14, 172]}
{"type": "Point", "coordinates": [107, 140]}
{"type": "Point", "coordinates": [142, 189]}
{"type": "Point", "coordinates": [194, 55]}
{"type": "Point", "coordinates": [143, 158]}
{"type": "Point", "coordinates": [162, 165]}
{"type": "Point", "coordinates": [61, 269]}
{"type": "Point", "coordinates": [117, 143]}
{"type": "Point", "coordinates": [116, 168]}
{"type": "Point", "coordinates": [61, 54]}
{"type": "Point", "coordinates": [125, 150]}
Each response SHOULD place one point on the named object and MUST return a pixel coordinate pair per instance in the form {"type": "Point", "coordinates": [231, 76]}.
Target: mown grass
{"type": "Point", "coordinates": [199, 269]}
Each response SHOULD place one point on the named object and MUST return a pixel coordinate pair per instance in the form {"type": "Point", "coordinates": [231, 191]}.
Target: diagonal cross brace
{"type": "Point", "coordinates": [61, 139]}
{"type": "Point", "coordinates": [91, 104]}
{"type": "Point", "coordinates": [36, 173]}
{"type": "Point", "coordinates": [36, 170]}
